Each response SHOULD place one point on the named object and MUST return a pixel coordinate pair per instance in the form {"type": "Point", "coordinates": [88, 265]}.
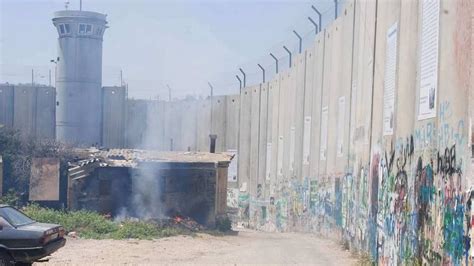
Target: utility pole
{"type": "Point", "coordinates": [32, 77]}
{"type": "Point", "coordinates": [50, 77]}
{"type": "Point", "coordinates": [121, 78]}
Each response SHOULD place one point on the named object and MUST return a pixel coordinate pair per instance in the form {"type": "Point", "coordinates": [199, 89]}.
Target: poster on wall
{"type": "Point", "coordinates": [232, 171]}
{"type": "Point", "coordinates": [44, 179]}
{"type": "Point", "coordinates": [429, 59]}
{"type": "Point", "coordinates": [340, 125]}
{"type": "Point", "coordinates": [324, 133]}
{"type": "Point", "coordinates": [390, 80]}
{"type": "Point", "coordinates": [268, 161]}
{"type": "Point", "coordinates": [292, 148]}
{"type": "Point", "coordinates": [306, 139]}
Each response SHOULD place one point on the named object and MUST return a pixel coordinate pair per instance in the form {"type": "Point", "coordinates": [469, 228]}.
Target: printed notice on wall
{"type": "Point", "coordinates": [324, 133]}
{"type": "Point", "coordinates": [340, 125]}
{"type": "Point", "coordinates": [429, 59]}
{"type": "Point", "coordinates": [306, 139]}
{"type": "Point", "coordinates": [269, 161]}
{"type": "Point", "coordinates": [280, 155]}
{"type": "Point", "coordinates": [232, 171]}
{"type": "Point", "coordinates": [292, 148]}
{"type": "Point", "coordinates": [389, 85]}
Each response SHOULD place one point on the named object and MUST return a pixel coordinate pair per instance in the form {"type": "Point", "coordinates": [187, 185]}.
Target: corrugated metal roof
{"type": "Point", "coordinates": [130, 157]}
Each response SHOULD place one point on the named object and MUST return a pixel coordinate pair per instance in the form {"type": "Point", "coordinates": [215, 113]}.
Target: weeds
{"type": "Point", "coordinates": [89, 224]}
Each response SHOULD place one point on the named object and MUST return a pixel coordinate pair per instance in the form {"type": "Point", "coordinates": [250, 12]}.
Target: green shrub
{"type": "Point", "coordinates": [88, 224]}
{"type": "Point", "coordinates": [139, 230]}
{"type": "Point", "coordinates": [10, 198]}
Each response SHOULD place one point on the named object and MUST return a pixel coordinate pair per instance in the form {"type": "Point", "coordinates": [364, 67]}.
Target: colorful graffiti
{"type": "Point", "coordinates": [408, 206]}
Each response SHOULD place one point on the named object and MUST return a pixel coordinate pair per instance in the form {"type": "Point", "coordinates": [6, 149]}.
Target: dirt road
{"type": "Point", "coordinates": [247, 247]}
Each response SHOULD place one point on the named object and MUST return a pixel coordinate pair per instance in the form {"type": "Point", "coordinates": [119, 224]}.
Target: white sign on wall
{"type": "Point", "coordinates": [390, 80]}
{"type": "Point", "coordinates": [232, 171]}
{"type": "Point", "coordinates": [429, 59]}
{"type": "Point", "coordinates": [341, 112]}
{"type": "Point", "coordinates": [324, 133]}
{"type": "Point", "coordinates": [306, 140]}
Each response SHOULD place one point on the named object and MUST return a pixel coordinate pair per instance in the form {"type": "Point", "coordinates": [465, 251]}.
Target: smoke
{"type": "Point", "coordinates": [146, 191]}
{"type": "Point", "coordinates": [145, 201]}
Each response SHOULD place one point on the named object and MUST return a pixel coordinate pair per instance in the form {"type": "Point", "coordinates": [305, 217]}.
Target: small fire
{"type": "Point", "coordinates": [178, 219]}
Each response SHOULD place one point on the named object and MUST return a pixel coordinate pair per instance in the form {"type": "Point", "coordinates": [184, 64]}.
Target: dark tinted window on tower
{"type": "Point", "coordinates": [88, 29]}
{"type": "Point", "coordinates": [82, 28]}
{"type": "Point", "coordinates": [61, 29]}
{"type": "Point", "coordinates": [67, 28]}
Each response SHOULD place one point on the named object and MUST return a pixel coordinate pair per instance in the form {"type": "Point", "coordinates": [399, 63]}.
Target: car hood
{"type": "Point", "coordinates": [37, 226]}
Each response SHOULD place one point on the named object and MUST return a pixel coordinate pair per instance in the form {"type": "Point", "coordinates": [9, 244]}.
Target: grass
{"type": "Point", "coordinates": [92, 225]}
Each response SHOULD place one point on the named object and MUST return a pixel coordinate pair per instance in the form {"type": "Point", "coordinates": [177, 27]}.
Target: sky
{"type": "Point", "coordinates": [182, 43]}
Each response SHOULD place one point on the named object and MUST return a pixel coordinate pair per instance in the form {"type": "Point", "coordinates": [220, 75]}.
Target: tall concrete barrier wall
{"type": "Point", "coordinates": [29, 109]}
{"type": "Point", "coordinates": [358, 147]}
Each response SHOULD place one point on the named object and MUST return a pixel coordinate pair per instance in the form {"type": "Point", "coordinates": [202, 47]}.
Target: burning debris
{"type": "Point", "coordinates": [187, 223]}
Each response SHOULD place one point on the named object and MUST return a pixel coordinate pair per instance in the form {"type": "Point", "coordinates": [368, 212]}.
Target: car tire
{"type": "Point", "coordinates": [5, 259]}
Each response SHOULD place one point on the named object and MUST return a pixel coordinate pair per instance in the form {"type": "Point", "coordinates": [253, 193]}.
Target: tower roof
{"type": "Point", "coordinates": [79, 15]}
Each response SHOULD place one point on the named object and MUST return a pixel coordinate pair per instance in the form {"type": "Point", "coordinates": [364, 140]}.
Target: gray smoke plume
{"type": "Point", "coordinates": [145, 201]}
{"type": "Point", "coordinates": [146, 192]}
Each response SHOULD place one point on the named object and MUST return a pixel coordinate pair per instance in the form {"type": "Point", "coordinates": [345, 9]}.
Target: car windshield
{"type": "Point", "coordinates": [15, 217]}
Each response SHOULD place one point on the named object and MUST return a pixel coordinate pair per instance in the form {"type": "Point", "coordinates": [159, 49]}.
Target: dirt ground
{"type": "Point", "coordinates": [247, 247]}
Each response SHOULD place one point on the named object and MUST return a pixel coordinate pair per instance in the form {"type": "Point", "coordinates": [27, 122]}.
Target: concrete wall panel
{"type": "Point", "coordinates": [24, 118]}
{"type": "Point", "coordinates": [204, 124]}
{"type": "Point", "coordinates": [6, 105]}
{"type": "Point", "coordinates": [263, 140]}
{"type": "Point", "coordinates": [188, 125]}
{"type": "Point", "coordinates": [245, 139]}
{"type": "Point", "coordinates": [219, 122]}
{"type": "Point", "coordinates": [255, 112]}
{"type": "Point", "coordinates": [232, 121]}
{"type": "Point", "coordinates": [300, 61]}
{"type": "Point", "coordinates": [318, 53]}
{"type": "Point", "coordinates": [113, 116]}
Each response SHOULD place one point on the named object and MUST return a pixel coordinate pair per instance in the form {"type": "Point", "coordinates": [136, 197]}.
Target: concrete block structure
{"type": "Point", "coordinates": [79, 76]}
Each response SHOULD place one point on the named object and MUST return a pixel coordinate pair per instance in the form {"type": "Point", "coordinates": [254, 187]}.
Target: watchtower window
{"type": "Point", "coordinates": [82, 29]}
{"type": "Point", "coordinates": [85, 29]}
{"type": "Point", "coordinates": [64, 29]}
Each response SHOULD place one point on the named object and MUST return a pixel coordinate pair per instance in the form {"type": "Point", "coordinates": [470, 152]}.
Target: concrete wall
{"type": "Point", "coordinates": [6, 105]}
{"type": "Point", "coordinates": [402, 195]}
{"type": "Point", "coordinates": [29, 109]}
{"type": "Point", "coordinates": [113, 116]}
